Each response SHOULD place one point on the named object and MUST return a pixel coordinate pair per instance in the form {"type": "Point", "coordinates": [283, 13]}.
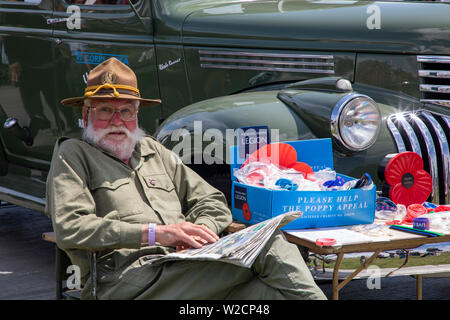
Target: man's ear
{"type": "Point", "coordinates": [85, 115]}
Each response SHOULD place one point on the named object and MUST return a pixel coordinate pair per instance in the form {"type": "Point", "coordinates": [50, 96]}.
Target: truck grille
{"type": "Point", "coordinates": [427, 134]}
{"type": "Point", "coordinates": [282, 62]}
{"type": "Point", "coordinates": [434, 74]}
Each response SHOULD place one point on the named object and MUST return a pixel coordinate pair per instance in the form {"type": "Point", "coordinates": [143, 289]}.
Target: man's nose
{"type": "Point", "coordinates": [116, 118]}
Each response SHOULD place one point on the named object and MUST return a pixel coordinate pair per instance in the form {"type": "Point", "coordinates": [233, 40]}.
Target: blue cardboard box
{"type": "Point", "coordinates": [252, 204]}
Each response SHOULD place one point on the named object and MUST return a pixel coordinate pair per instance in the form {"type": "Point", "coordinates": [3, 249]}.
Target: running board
{"type": "Point", "coordinates": [22, 199]}
{"type": "Point", "coordinates": [20, 194]}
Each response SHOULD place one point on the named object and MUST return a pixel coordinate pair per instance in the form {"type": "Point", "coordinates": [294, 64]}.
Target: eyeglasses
{"type": "Point", "coordinates": [126, 112]}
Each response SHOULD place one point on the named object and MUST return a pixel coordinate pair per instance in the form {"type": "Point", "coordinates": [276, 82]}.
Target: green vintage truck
{"type": "Point", "coordinates": [373, 76]}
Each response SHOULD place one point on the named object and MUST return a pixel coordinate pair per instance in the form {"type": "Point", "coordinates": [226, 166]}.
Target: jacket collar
{"type": "Point", "coordinates": [144, 148]}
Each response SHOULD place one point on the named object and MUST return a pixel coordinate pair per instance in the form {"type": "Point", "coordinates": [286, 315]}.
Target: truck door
{"type": "Point", "coordinates": [88, 32]}
{"type": "Point", "coordinates": [27, 90]}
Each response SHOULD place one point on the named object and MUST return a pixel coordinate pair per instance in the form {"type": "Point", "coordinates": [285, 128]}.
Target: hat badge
{"type": "Point", "coordinates": [108, 77]}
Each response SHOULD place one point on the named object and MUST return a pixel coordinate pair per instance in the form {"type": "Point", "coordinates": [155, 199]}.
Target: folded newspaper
{"type": "Point", "coordinates": [239, 248]}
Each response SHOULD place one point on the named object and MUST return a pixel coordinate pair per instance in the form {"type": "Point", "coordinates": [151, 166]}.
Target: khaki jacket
{"type": "Point", "coordinates": [97, 202]}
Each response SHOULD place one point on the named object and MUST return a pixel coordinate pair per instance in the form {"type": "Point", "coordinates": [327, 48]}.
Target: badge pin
{"type": "Point", "coordinates": [108, 77]}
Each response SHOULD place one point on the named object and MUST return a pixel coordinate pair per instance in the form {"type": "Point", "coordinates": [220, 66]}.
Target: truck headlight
{"type": "Point", "coordinates": [356, 122]}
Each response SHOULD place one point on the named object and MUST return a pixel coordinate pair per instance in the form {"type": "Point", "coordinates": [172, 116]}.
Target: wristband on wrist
{"type": "Point", "coordinates": [151, 234]}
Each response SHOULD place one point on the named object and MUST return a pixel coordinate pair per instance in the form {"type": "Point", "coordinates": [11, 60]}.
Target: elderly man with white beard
{"type": "Point", "coordinates": [121, 136]}
{"type": "Point", "coordinates": [120, 193]}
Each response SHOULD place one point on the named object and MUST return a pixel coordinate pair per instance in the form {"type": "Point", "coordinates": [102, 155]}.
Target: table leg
{"type": "Point", "coordinates": [419, 286]}
{"type": "Point", "coordinates": [337, 264]}
{"type": "Point", "coordinates": [338, 286]}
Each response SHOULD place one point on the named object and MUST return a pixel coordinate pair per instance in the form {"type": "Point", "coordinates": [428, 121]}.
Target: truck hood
{"type": "Point", "coordinates": [369, 26]}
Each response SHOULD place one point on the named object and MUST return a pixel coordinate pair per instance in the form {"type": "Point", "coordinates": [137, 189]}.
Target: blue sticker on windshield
{"type": "Point", "coordinates": [97, 58]}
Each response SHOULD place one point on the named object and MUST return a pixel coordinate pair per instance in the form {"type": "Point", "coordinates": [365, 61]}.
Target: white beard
{"type": "Point", "coordinates": [121, 149]}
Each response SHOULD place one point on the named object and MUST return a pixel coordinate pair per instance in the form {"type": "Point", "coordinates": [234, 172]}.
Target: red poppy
{"type": "Point", "coordinates": [246, 211]}
{"type": "Point", "coordinates": [280, 154]}
{"type": "Point", "coordinates": [303, 168]}
{"type": "Point", "coordinates": [409, 183]}
{"type": "Point", "coordinates": [441, 208]}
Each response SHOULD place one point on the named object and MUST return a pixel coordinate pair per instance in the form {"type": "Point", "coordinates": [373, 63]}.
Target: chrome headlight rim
{"type": "Point", "coordinates": [336, 115]}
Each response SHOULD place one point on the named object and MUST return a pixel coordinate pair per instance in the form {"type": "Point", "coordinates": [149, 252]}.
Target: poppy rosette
{"type": "Point", "coordinates": [409, 182]}
{"type": "Point", "coordinates": [246, 212]}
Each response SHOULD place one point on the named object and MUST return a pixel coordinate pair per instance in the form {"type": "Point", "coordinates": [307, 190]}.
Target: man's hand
{"type": "Point", "coordinates": [184, 247]}
{"type": "Point", "coordinates": [184, 235]}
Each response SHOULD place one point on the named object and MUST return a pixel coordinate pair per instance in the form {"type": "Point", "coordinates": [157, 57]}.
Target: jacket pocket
{"type": "Point", "coordinates": [159, 181]}
{"type": "Point", "coordinates": [116, 196]}
{"type": "Point", "coordinates": [110, 185]}
{"type": "Point", "coordinates": [161, 193]}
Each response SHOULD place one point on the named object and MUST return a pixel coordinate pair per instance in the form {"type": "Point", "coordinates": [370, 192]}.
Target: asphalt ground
{"type": "Point", "coordinates": [27, 266]}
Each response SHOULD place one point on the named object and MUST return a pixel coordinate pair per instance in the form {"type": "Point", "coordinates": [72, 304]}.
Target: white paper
{"type": "Point", "coordinates": [342, 236]}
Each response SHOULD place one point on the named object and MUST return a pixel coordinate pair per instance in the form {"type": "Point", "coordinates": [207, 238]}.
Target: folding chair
{"type": "Point", "coordinates": [62, 262]}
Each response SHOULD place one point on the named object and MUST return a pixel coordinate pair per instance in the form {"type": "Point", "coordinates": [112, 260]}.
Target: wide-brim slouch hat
{"type": "Point", "coordinates": [111, 79]}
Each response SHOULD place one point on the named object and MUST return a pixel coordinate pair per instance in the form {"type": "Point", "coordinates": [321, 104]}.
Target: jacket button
{"type": "Point", "coordinates": [152, 181]}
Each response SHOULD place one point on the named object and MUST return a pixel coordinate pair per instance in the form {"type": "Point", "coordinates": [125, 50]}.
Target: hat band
{"type": "Point", "coordinates": [92, 90]}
